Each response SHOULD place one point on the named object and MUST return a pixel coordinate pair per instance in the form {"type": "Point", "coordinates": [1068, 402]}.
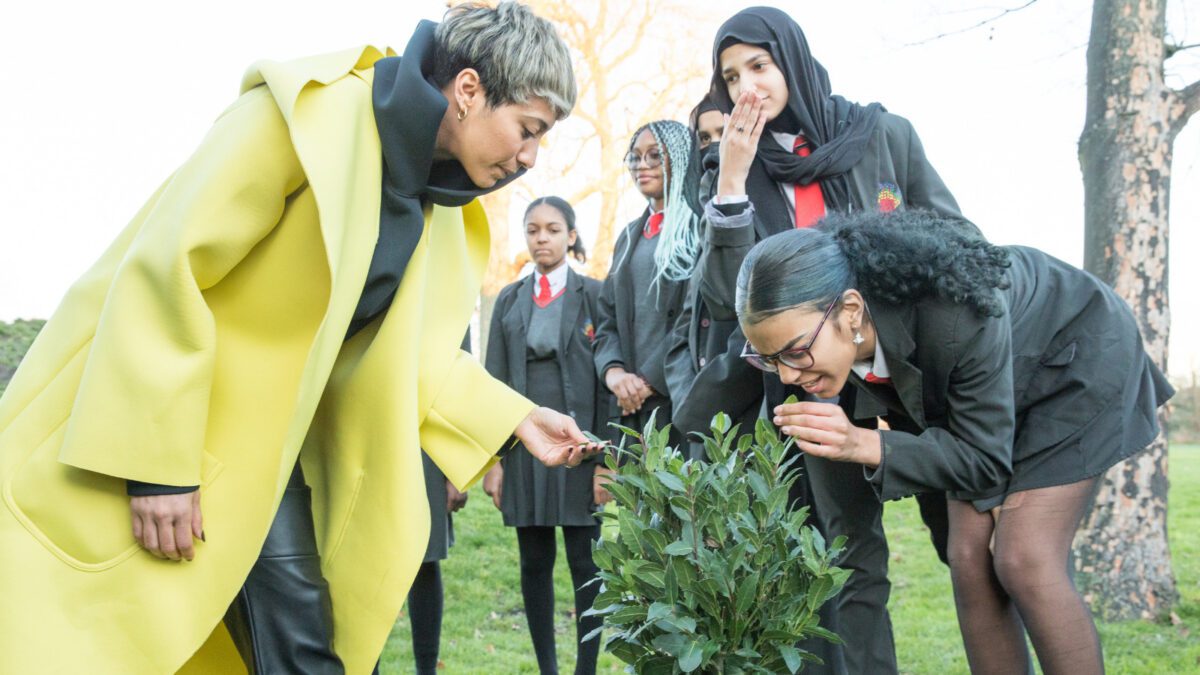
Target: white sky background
{"type": "Point", "coordinates": [101, 101]}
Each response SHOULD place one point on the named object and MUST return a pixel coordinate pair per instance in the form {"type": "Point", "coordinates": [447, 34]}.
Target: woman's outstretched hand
{"type": "Point", "coordinates": [822, 429]}
{"type": "Point", "coordinates": [739, 144]}
{"type": "Point", "coordinates": [554, 438]}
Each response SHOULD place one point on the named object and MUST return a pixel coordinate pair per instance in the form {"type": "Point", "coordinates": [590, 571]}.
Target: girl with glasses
{"type": "Point", "coordinates": [1010, 380]}
{"type": "Point", "coordinates": [653, 258]}
{"type": "Point", "coordinates": [792, 152]}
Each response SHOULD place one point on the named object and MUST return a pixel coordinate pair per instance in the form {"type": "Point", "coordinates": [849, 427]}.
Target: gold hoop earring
{"type": "Point", "coordinates": [462, 114]}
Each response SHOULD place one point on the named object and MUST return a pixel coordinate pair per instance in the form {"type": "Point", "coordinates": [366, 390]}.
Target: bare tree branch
{"type": "Point", "coordinates": [1172, 50]}
{"type": "Point", "coordinates": [1190, 97]}
{"type": "Point", "coordinates": [636, 44]}
{"type": "Point", "coordinates": [1003, 13]}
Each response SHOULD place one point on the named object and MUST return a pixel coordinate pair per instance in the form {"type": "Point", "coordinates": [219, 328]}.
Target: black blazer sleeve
{"type": "Point", "coordinates": [496, 359]}
{"type": "Point", "coordinates": [679, 366]}
{"type": "Point", "coordinates": [730, 233]}
{"type": "Point", "coordinates": [604, 403]}
{"type": "Point", "coordinates": [607, 347]}
{"type": "Point", "coordinates": [970, 451]}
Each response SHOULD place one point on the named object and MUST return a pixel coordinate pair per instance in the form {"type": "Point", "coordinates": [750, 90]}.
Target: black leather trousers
{"type": "Point", "coordinates": [282, 619]}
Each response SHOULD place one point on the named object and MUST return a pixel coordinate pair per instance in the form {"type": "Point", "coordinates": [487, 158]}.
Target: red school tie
{"type": "Point", "coordinates": [871, 377]}
{"type": "Point", "coordinates": [543, 296]}
{"type": "Point", "coordinates": [810, 203]}
{"type": "Point", "coordinates": [653, 225]}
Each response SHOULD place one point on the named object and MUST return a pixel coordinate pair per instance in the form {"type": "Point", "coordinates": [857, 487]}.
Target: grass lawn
{"type": "Point", "coordinates": [484, 628]}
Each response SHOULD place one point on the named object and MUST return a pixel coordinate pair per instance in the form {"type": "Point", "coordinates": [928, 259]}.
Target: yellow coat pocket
{"type": "Point", "coordinates": [93, 532]}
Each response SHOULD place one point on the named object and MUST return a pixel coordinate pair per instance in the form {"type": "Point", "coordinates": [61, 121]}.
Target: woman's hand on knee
{"type": "Point", "coordinates": [166, 525]}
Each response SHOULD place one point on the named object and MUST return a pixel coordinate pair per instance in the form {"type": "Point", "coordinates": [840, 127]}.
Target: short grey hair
{"type": "Point", "coordinates": [517, 54]}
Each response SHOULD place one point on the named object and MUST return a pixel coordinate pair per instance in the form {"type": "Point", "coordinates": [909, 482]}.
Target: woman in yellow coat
{"type": "Point", "coordinates": [272, 315]}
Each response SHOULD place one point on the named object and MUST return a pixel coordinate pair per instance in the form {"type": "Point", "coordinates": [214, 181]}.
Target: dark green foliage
{"type": "Point", "coordinates": [15, 339]}
{"type": "Point", "coordinates": [709, 570]}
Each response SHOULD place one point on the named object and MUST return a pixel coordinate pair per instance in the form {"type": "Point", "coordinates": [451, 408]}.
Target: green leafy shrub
{"type": "Point", "coordinates": [709, 570]}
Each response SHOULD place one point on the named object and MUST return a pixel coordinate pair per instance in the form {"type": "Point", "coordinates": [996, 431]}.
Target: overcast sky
{"type": "Point", "coordinates": [103, 100]}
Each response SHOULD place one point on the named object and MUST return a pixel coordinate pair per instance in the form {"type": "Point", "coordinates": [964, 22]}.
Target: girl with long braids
{"type": "Point", "coordinates": [540, 344]}
{"type": "Point", "coordinates": [791, 152]}
{"type": "Point", "coordinates": [653, 258]}
{"type": "Point", "coordinates": [1010, 380]}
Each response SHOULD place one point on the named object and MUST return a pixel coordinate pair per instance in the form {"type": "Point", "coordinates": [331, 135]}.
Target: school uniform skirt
{"type": "Point", "coordinates": [535, 495]}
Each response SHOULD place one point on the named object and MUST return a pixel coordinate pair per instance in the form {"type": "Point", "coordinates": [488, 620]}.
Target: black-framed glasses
{"type": "Point", "coordinates": [799, 358]}
{"type": "Point", "coordinates": [653, 159]}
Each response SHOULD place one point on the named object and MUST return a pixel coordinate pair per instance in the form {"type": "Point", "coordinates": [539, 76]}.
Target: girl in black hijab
{"type": "Point", "coordinates": [792, 152]}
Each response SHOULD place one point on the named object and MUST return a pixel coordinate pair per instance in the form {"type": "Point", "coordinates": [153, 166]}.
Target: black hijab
{"type": "Point", "coordinates": [837, 130]}
{"type": "Point", "coordinates": [409, 108]}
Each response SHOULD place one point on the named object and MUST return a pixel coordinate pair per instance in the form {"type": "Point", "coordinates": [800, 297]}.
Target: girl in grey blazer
{"type": "Point", "coordinates": [540, 344]}
{"type": "Point", "coordinates": [652, 260]}
{"type": "Point", "coordinates": [1010, 381]}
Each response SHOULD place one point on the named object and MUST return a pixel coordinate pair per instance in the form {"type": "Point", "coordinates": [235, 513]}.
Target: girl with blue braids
{"type": "Point", "coordinates": [654, 257]}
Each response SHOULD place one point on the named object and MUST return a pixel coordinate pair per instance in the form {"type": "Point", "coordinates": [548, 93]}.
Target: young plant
{"type": "Point", "coordinates": [710, 570]}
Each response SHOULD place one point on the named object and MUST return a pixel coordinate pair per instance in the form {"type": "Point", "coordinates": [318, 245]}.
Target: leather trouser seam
{"type": "Point", "coordinates": [254, 641]}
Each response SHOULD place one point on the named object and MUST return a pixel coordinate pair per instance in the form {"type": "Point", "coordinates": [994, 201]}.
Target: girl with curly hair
{"type": "Point", "coordinates": [1010, 381]}
{"type": "Point", "coordinates": [791, 152]}
{"type": "Point", "coordinates": [653, 258]}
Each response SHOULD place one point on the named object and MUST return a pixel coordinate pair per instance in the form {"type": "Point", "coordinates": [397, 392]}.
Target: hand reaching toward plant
{"type": "Point", "coordinates": [554, 438]}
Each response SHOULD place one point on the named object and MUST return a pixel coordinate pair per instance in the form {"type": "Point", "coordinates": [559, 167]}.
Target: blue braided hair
{"type": "Point", "coordinates": [677, 250]}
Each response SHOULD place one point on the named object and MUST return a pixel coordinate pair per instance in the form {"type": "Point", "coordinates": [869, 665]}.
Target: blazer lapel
{"type": "Point", "coordinates": [866, 404]}
{"type": "Point", "coordinates": [893, 328]}
{"type": "Point", "coordinates": [525, 302]}
{"type": "Point", "coordinates": [625, 290]}
{"type": "Point", "coordinates": [573, 302]}
{"type": "Point", "coordinates": [523, 307]}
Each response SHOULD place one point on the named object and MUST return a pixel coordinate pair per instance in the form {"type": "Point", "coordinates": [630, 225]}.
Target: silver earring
{"type": "Point", "coordinates": [858, 338]}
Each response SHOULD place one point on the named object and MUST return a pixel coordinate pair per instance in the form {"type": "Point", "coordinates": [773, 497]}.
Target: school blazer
{"type": "Point", "coordinates": [982, 393]}
{"type": "Point", "coordinates": [614, 327]}
{"type": "Point", "coordinates": [587, 398]}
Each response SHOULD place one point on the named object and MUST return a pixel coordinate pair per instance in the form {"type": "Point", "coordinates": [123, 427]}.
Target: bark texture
{"type": "Point", "coordinates": [1123, 561]}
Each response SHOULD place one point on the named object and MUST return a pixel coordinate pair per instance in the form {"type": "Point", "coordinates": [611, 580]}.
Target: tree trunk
{"type": "Point", "coordinates": [1122, 557]}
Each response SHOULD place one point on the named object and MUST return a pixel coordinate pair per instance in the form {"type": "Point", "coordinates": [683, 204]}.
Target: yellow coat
{"type": "Point", "coordinates": [206, 347]}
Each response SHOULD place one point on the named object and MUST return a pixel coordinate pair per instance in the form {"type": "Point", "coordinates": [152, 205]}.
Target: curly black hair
{"type": "Point", "coordinates": [898, 258]}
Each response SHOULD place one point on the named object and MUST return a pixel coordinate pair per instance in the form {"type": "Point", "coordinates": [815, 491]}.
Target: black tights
{"type": "Point", "coordinates": [1026, 584]}
{"type": "Point", "coordinates": [425, 613]}
{"type": "Point", "coordinates": [538, 550]}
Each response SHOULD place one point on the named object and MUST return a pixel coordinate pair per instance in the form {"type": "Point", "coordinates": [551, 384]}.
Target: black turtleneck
{"type": "Point", "coordinates": [409, 109]}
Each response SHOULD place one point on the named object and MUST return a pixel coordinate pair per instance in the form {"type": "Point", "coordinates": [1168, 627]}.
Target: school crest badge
{"type": "Point", "coordinates": [889, 197]}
